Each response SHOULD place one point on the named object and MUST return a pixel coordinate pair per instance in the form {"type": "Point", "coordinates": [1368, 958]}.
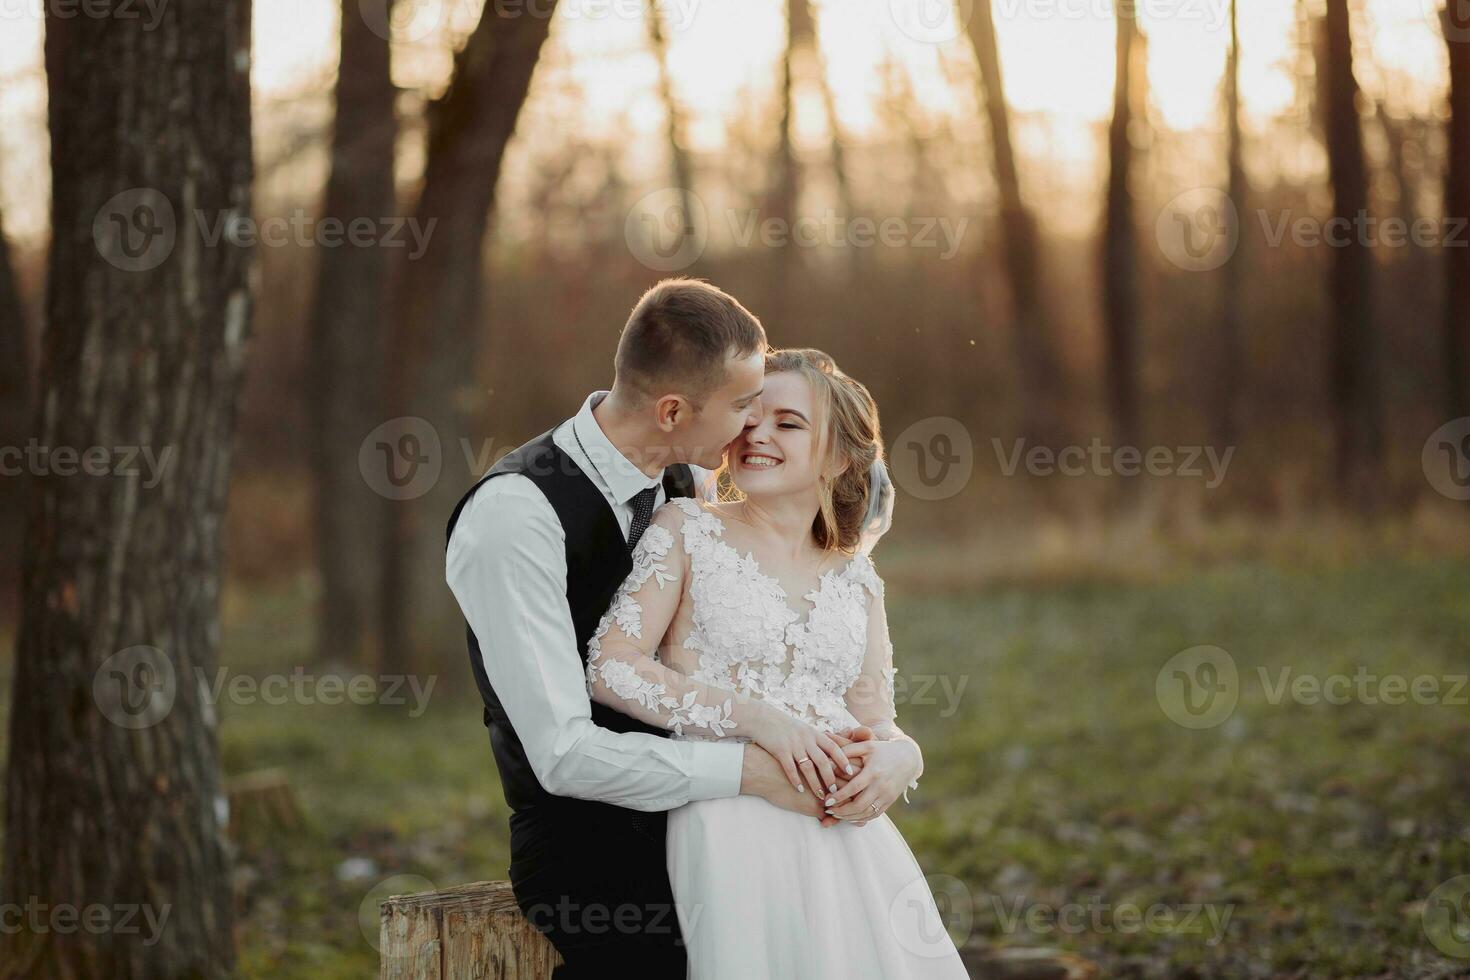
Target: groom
{"type": "Point", "coordinates": [536, 550]}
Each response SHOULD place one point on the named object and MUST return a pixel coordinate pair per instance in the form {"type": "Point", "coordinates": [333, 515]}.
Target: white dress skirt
{"type": "Point", "coordinates": [763, 892]}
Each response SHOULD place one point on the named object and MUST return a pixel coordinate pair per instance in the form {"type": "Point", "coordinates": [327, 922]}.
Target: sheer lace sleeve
{"type": "Point", "coordinates": [621, 670]}
{"type": "Point", "coordinates": [871, 697]}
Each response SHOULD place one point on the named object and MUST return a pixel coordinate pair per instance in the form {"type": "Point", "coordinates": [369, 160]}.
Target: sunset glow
{"type": "Point", "coordinates": [1057, 57]}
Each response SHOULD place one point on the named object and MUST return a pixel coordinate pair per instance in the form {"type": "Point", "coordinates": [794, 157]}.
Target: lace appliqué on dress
{"type": "Point", "coordinates": [621, 677]}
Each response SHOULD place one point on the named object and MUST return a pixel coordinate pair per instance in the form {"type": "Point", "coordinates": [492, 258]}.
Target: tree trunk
{"type": "Point", "coordinates": [681, 165]}
{"type": "Point", "coordinates": [1355, 398]}
{"type": "Point", "coordinates": [345, 389]}
{"type": "Point", "coordinates": [435, 337]}
{"type": "Point", "coordinates": [1120, 248]}
{"type": "Point", "coordinates": [15, 417]}
{"type": "Point", "coordinates": [113, 796]}
{"type": "Point", "coordinates": [1036, 358]}
{"type": "Point", "coordinates": [1229, 375]}
{"type": "Point", "coordinates": [1457, 208]}
{"type": "Point", "coordinates": [785, 193]}
{"type": "Point", "coordinates": [804, 36]}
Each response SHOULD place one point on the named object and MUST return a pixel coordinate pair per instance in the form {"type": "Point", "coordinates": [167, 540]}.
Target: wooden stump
{"type": "Point", "coordinates": [471, 931]}
{"type": "Point", "coordinates": [261, 803]}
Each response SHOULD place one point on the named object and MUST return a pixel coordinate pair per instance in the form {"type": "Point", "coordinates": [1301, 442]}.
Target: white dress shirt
{"type": "Point", "coordinates": [506, 564]}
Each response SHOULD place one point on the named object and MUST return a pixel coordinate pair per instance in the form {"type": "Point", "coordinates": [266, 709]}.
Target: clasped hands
{"type": "Point", "coordinates": [869, 773]}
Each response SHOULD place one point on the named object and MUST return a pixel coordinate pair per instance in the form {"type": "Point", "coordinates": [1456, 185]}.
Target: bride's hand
{"type": "Point", "coordinates": [810, 758]}
{"type": "Point", "coordinates": [888, 766]}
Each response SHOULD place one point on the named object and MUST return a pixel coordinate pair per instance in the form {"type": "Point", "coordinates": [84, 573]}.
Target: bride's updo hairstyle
{"type": "Point", "coordinates": [849, 442]}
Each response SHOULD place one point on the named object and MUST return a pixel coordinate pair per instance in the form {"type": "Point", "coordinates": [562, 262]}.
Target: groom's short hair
{"type": "Point", "coordinates": [679, 337]}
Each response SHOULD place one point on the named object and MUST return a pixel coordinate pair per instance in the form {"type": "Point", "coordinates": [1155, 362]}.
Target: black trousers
{"type": "Point", "coordinates": [601, 894]}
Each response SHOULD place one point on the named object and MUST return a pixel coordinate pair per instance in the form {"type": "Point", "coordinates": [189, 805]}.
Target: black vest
{"type": "Point", "coordinates": [598, 561]}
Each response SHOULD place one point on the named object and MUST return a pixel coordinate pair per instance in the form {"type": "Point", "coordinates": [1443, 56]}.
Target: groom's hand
{"type": "Point", "coordinates": [761, 775]}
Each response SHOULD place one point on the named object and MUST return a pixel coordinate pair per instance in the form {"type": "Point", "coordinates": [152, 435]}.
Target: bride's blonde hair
{"type": "Point", "coordinates": [849, 441]}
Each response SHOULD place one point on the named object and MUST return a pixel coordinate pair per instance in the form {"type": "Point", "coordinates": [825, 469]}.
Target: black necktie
{"type": "Point", "coordinates": [642, 514]}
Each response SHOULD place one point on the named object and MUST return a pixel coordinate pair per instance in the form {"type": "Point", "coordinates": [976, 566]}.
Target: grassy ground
{"type": "Point", "coordinates": [1293, 839]}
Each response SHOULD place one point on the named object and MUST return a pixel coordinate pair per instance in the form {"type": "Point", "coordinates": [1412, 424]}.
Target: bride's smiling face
{"type": "Point", "coordinates": [778, 455]}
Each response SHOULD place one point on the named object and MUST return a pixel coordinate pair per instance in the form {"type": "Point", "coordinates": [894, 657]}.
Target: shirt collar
{"type": "Point", "coordinates": [623, 479]}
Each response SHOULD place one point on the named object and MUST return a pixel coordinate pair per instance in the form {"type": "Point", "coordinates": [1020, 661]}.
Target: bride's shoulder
{"type": "Point", "coordinates": [865, 573]}
{"type": "Point", "coordinates": [688, 514]}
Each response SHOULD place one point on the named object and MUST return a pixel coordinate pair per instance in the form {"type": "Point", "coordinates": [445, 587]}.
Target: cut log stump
{"type": "Point", "coordinates": [262, 803]}
{"type": "Point", "coordinates": [471, 932]}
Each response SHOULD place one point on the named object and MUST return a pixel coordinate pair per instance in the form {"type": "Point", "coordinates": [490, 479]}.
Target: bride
{"type": "Point", "coordinates": [761, 619]}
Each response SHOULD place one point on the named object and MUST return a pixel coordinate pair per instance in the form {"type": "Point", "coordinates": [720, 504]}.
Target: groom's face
{"type": "Point", "coordinates": [727, 411]}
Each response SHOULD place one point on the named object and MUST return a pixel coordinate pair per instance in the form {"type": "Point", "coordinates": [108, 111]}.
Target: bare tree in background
{"type": "Point", "coordinates": [1457, 207]}
{"type": "Point", "coordinates": [1229, 377]}
{"type": "Point", "coordinates": [113, 793]}
{"type": "Point", "coordinates": [1036, 356]}
{"type": "Point", "coordinates": [804, 38]}
{"type": "Point", "coordinates": [15, 412]}
{"type": "Point", "coordinates": [682, 166]}
{"type": "Point", "coordinates": [435, 341]}
{"type": "Point", "coordinates": [785, 191]}
{"type": "Point", "coordinates": [1355, 391]}
{"type": "Point", "coordinates": [1120, 245]}
{"type": "Point", "coordinates": [347, 332]}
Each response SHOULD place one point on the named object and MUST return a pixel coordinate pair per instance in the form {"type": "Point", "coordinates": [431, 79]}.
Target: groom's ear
{"type": "Point", "coordinates": [670, 410]}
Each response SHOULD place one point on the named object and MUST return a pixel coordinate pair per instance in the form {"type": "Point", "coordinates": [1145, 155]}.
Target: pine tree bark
{"type": "Point", "coordinates": [435, 339]}
{"type": "Point", "coordinates": [1120, 246]}
{"type": "Point", "coordinates": [1037, 363]}
{"type": "Point", "coordinates": [1355, 390]}
{"type": "Point", "coordinates": [113, 793]}
{"type": "Point", "coordinates": [1457, 209]}
{"type": "Point", "coordinates": [348, 346]}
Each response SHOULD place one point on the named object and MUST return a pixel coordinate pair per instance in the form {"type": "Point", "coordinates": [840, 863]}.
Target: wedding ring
{"type": "Point", "coordinates": [804, 758]}
{"type": "Point", "coordinates": [874, 806]}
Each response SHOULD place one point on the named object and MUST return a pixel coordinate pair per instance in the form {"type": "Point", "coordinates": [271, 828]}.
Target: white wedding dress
{"type": "Point", "coordinates": [763, 892]}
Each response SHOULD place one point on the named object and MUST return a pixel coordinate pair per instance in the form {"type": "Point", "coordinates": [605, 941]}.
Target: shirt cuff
{"type": "Point", "coordinates": [716, 768]}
